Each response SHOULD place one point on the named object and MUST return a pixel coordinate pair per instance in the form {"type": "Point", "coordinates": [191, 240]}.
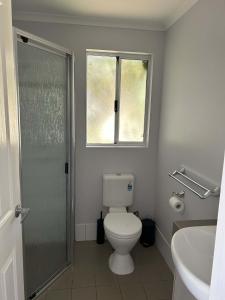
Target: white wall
{"type": "Point", "coordinates": [92, 163]}
{"type": "Point", "coordinates": [192, 127]}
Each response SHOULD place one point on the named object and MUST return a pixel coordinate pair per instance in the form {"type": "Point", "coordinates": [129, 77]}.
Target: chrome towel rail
{"type": "Point", "coordinates": [206, 191]}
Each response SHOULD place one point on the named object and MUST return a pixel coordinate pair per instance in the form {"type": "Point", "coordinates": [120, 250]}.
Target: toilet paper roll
{"type": "Point", "coordinates": [176, 204]}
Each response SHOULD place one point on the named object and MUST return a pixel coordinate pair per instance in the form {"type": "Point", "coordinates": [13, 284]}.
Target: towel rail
{"type": "Point", "coordinates": [208, 192]}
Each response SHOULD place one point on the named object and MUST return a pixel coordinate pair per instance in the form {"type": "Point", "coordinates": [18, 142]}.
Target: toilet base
{"type": "Point", "coordinates": [121, 264]}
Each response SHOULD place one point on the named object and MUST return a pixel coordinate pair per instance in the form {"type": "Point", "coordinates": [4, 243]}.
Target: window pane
{"type": "Point", "coordinates": [101, 81]}
{"type": "Point", "coordinates": [132, 100]}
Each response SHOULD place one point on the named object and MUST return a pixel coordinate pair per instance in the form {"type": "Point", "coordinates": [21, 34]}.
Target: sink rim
{"type": "Point", "coordinates": [197, 286]}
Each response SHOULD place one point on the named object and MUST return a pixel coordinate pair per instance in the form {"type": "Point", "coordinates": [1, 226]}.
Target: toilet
{"type": "Point", "coordinates": [122, 228]}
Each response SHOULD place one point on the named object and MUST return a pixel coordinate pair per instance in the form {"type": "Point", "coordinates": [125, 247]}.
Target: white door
{"type": "Point", "coordinates": [11, 259]}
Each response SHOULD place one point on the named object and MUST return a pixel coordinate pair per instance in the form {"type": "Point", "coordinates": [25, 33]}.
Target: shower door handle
{"type": "Point", "coordinates": [21, 211]}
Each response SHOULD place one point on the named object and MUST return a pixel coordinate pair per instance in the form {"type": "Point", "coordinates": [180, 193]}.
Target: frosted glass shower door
{"type": "Point", "coordinates": [43, 85]}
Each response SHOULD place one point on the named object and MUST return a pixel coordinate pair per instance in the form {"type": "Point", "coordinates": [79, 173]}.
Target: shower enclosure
{"type": "Point", "coordinates": [45, 94]}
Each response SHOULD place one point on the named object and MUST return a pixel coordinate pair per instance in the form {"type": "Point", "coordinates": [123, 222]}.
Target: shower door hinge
{"type": "Point", "coordinates": [66, 168]}
{"type": "Point", "coordinates": [116, 106]}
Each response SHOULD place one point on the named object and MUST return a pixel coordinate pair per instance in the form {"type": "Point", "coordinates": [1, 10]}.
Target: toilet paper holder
{"type": "Point", "coordinates": [180, 194]}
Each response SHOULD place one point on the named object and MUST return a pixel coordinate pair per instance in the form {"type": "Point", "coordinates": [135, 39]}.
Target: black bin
{"type": "Point", "coordinates": [148, 233]}
{"type": "Point", "coordinates": [100, 230]}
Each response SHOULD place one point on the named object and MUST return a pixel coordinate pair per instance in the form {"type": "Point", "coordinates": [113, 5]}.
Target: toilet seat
{"type": "Point", "coordinates": [122, 225]}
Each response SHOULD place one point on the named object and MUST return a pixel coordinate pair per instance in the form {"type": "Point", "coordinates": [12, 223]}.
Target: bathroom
{"type": "Point", "coordinates": [183, 43]}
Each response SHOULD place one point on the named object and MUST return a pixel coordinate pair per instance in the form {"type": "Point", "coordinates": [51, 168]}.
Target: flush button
{"type": "Point", "coordinates": [129, 187]}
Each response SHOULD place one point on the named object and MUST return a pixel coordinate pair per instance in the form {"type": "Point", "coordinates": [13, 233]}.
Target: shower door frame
{"type": "Point", "coordinates": [51, 47]}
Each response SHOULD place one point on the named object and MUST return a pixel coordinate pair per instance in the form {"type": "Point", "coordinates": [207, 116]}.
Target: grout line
{"type": "Point", "coordinates": [95, 279]}
{"type": "Point", "coordinates": [145, 292]}
{"type": "Point", "coordinates": [120, 288]}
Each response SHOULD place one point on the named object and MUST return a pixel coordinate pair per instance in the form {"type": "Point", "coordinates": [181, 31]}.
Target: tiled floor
{"type": "Point", "coordinates": [91, 279]}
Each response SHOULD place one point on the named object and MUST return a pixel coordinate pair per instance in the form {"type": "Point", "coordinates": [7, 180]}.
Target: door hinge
{"type": "Point", "coordinates": [116, 106]}
{"type": "Point", "coordinates": [66, 168]}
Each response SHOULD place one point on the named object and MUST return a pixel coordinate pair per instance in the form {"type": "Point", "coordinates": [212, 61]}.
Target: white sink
{"type": "Point", "coordinates": [192, 251]}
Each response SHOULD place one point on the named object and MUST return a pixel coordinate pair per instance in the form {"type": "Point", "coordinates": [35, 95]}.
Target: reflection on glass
{"type": "Point", "coordinates": [101, 76]}
{"type": "Point", "coordinates": [132, 100]}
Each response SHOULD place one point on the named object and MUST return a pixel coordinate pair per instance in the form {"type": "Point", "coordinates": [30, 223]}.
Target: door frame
{"type": "Point", "coordinates": [70, 140]}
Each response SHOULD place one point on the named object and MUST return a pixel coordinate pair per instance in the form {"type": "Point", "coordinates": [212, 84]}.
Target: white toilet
{"type": "Point", "coordinates": [122, 229]}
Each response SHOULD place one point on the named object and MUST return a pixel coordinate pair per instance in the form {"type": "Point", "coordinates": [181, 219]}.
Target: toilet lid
{"type": "Point", "coordinates": [122, 224]}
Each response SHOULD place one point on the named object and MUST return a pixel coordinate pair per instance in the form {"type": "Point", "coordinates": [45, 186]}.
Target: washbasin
{"type": "Point", "coordinates": [192, 251]}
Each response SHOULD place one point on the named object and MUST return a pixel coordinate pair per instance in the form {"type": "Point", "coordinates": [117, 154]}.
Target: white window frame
{"type": "Point", "coordinates": [125, 55]}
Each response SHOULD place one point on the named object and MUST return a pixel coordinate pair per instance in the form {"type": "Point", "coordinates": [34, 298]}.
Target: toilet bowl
{"type": "Point", "coordinates": [122, 230]}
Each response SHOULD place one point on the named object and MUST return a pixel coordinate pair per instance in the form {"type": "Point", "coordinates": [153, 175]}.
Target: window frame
{"type": "Point", "coordinates": [119, 56]}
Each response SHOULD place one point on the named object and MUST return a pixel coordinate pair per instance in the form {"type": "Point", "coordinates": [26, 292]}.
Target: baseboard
{"type": "Point", "coordinates": [85, 232]}
{"type": "Point", "coordinates": [164, 247]}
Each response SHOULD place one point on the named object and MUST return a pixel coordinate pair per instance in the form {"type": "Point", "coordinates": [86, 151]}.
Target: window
{"type": "Point", "coordinates": [117, 98]}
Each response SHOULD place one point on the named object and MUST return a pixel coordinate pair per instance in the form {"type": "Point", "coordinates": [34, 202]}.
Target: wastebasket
{"type": "Point", "coordinates": [148, 233]}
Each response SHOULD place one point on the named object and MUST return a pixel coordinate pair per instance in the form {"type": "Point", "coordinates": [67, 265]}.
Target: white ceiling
{"type": "Point", "coordinates": [143, 14]}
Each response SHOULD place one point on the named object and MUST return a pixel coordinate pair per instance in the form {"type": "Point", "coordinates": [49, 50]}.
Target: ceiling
{"type": "Point", "coordinates": [143, 14]}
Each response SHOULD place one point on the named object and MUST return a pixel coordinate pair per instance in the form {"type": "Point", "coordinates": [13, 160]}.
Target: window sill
{"type": "Point", "coordinates": [141, 146]}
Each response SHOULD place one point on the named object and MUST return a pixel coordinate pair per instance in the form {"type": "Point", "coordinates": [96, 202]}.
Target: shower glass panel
{"type": "Point", "coordinates": [43, 88]}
